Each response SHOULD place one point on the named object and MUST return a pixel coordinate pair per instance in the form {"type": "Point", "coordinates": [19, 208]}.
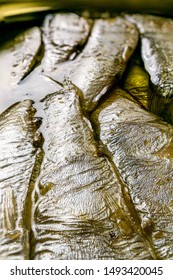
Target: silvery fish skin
{"type": "Point", "coordinates": [58, 40]}
{"type": "Point", "coordinates": [136, 81]}
{"type": "Point", "coordinates": [140, 145]}
{"type": "Point", "coordinates": [103, 59]}
{"type": "Point", "coordinates": [63, 35]}
{"type": "Point", "coordinates": [17, 160]}
{"type": "Point", "coordinates": [18, 56]}
{"type": "Point", "coordinates": [157, 47]}
{"type": "Point", "coordinates": [80, 210]}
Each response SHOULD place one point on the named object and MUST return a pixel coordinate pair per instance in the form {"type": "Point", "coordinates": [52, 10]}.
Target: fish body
{"type": "Point", "coordinates": [102, 61]}
{"type": "Point", "coordinates": [18, 56]}
{"type": "Point", "coordinates": [63, 36]}
{"type": "Point", "coordinates": [80, 212]}
{"type": "Point", "coordinates": [17, 160]}
{"type": "Point", "coordinates": [140, 145]}
{"type": "Point", "coordinates": [157, 46]}
{"type": "Point", "coordinates": [104, 194]}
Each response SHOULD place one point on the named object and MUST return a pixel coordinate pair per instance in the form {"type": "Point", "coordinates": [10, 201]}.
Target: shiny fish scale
{"type": "Point", "coordinates": [102, 61]}
{"type": "Point", "coordinates": [62, 37]}
{"type": "Point", "coordinates": [63, 34]}
{"type": "Point", "coordinates": [157, 48]}
{"type": "Point", "coordinates": [104, 58]}
{"type": "Point", "coordinates": [19, 56]}
{"type": "Point", "coordinates": [78, 207]}
{"type": "Point", "coordinates": [141, 148]}
{"type": "Point", "coordinates": [17, 158]}
{"type": "Point", "coordinates": [82, 208]}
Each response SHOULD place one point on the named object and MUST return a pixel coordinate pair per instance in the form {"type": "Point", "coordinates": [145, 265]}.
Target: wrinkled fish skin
{"type": "Point", "coordinates": [103, 59]}
{"type": "Point", "coordinates": [17, 160]}
{"type": "Point", "coordinates": [157, 47]}
{"type": "Point", "coordinates": [63, 36]}
{"type": "Point", "coordinates": [136, 81]}
{"type": "Point", "coordinates": [80, 212]}
{"type": "Point", "coordinates": [18, 57]}
{"type": "Point", "coordinates": [140, 145]}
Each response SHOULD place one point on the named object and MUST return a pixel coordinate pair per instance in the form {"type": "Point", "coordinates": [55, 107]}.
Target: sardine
{"type": "Point", "coordinates": [63, 36]}
{"type": "Point", "coordinates": [23, 64]}
{"type": "Point", "coordinates": [140, 145]}
{"type": "Point", "coordinates": [18, 155]}
{"type": "Point", "coordinates": [80, 210]}
{"type": "Point", "coordinates": [18, 56]}
{"type": "Point", "coordinates": [157, 41]}
{"type": "Point", "coordinates": [157, 47]}
{"type": "Point", "coordinates": [102, 61]}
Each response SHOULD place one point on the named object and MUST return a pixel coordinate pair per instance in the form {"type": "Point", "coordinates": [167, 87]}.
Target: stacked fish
{"type": "Point", "coordinates": [86, 161]}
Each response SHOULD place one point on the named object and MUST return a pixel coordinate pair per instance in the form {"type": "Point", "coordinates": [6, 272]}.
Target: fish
{"type": "Point", "coordinates": [82, 185]}
{"type": "Point", "coordinates": [37, 51]}
{"type": "Point", "coordinates": [156, 50]}
{"type": "Point", "coordinates": [63, 36]}
{"type": "Point", "coordinates": [18, 57]}
{"type": "Point", "coordinates": [80, 208]}
{"type": "Point", "coordinates": [19, 155]}
{"type": "Point", "coordinates": [102, 60]}
{"type": "Point", "coordinates": [140, 145]}
{"type": "Point", "coordinates": [92, 54]}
